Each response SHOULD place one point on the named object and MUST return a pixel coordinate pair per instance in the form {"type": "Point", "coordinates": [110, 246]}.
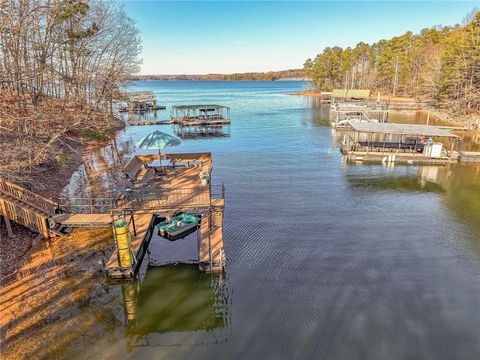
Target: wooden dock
{"type": "Point", "coordinates": [165, 191]}
{"type": "Point", "coordinates": [148, 122]}
{"type": "Point", "coordinates": [181, 186]}
{"type": "Point", "coordinates": [469, 156]}
{"type": "Point", "coordinates": [141, 101]}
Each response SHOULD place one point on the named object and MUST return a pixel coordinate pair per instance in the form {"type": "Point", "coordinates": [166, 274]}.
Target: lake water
{"type": "Point", "coordinates": [326, 260]}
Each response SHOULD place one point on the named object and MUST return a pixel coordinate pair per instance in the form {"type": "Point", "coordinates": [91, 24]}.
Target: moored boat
{"type": "Point", "coordinates": [178, 227]}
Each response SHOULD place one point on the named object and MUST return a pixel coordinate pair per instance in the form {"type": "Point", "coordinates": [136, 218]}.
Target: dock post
{"type": "Point", "coordinates": [7, 219]}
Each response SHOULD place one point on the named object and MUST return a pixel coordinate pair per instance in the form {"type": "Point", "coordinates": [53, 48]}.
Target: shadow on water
{"type": "Point", "coordinates": [401, 183]}
{"type": "Point", "coordinates": [457, 185]}
{"type": "Point", "coordinates": [176, 305]}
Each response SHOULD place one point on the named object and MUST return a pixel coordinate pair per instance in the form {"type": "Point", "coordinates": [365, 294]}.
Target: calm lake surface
{"type": "Point", "coordinates": [326, 260]}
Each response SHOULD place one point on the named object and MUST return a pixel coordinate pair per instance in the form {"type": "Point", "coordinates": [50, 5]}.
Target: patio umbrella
{"type": "Point", "coordinates": [158, 140]}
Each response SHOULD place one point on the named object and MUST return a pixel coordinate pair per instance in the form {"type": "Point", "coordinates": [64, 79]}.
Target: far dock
{"type": "Point", "coordinates": [355, 104]}
{"type": "Point", "coordinates": [398, 143]}
{"type": "Point", "coordinates": [141, 101]}
{"type": "Point", "coordinates": [192, 121]}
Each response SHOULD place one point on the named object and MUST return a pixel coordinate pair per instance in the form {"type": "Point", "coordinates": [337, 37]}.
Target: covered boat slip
{"type": "Point", "coordinates": [139, 101]}
{"type": "Point", "coordinates": [200, 120]}
{"type": "Point", "coordinates": [200, 112]}
{"type": "Point", "coordinates": [178, 185]}
{"type": "Point", "coordinates": [377, 142]}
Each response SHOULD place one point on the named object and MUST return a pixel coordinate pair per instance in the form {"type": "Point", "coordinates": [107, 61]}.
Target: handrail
{"type": "Point", "coordinates": [81, 205]}
{"type": "Point", "coordinates": [27, 196]}
{"type": "Point", "coordinates": [222, 260]}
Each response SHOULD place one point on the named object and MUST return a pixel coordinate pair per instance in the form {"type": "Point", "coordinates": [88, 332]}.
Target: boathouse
{"type": "Point", "coordinates": [407, 143]}
{"type": "Point", "coordinates": [139, 101]}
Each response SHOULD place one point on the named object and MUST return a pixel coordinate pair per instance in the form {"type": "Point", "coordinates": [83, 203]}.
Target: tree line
{"type": "Point", "coordinates": [265, 76]}
{"type": "Point", "coordinates": [75, 50]}
{"type": "Point", "coordinates": [439, 63]}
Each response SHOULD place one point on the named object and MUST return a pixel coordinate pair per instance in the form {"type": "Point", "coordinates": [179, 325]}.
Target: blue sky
{"type": "Point", "coordinates": [181, 37]}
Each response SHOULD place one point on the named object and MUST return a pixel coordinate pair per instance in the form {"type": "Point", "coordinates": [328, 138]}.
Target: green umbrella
{"type": "Point", "coordinates": [158, 140]}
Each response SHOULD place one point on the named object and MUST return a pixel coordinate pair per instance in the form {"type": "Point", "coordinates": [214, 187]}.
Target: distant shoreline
{"type": "Point", "coordinates": [287, 79]}
{"type": "Point", "coordinates": [441, 114]}
{"type": "Point", "coordinates": [283, 75]}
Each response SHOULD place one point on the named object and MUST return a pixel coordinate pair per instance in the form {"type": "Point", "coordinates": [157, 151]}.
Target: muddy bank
{"type": "Point", "coordinates": [44, 300]}
{"type": "Point", "coordinates": [13, 248]}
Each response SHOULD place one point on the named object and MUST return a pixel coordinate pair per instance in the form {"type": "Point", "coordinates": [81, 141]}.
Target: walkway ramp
{"type": "Point", "coordinates": [25, 207]}
{"type": "Point", "coordinates": [83, 220]}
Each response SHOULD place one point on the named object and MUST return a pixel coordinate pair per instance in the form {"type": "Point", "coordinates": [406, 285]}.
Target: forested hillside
{"type": "Point", "coordinates": [61, 66]}
{"type": "Point", "coordinates": [74, 50]}
{"type": "Point", "coordinates": [439, 63]}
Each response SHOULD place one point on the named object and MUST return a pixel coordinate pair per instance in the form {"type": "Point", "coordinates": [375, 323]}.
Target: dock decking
{"type": "Point", "coordinates": [83, 220]}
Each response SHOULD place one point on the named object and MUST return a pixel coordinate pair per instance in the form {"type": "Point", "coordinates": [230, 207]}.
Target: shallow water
{"type": "Point", "coordinates": [326, 259]}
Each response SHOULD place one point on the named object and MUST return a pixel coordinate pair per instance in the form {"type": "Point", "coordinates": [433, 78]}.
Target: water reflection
{"type": "Point", "coordinates": [132, 118]}
{"type": "Point", "coordinates": [176, 305]}
{"type": "Point", "coordinates": [457, 184]}
{"type": "Point", "coordinates": [400, 182]}
{"type": "Point", "coordinates": [98, 174]}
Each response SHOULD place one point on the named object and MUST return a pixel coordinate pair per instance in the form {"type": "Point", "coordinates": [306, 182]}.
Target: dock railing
{"type": "Point", "coordinates": [26, 196]}
{"type": "Point", "coordinates": [164, 199]}
{"type": "Point", "coordinates": [86, 205]}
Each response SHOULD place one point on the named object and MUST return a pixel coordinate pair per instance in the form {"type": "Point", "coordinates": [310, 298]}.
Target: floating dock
{"type": "Point", "coordinates": [147, 122]}
{"type": "Point", "coordinates": [469, 156]}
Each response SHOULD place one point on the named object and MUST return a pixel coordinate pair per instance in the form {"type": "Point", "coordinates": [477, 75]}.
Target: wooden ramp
{"type": "Point", "coordinates": [83, 220]}
{"type": "Point", "coordinates": [25, 207]}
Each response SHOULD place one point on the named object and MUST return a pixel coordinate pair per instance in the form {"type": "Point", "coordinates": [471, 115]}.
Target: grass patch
{"type": "Point", "coordinates": [94, 135]}
{"type": "Point", "coordinates": [63, 159]}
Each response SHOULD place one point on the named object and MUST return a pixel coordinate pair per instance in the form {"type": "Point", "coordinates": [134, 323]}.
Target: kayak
{"type": "Point", "coordinates": [178, 227]}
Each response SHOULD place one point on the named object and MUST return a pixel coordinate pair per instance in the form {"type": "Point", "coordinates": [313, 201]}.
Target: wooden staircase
{"type": "Point", "coordinates": [26, 208]}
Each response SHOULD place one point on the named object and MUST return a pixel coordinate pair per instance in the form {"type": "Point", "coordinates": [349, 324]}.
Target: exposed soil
{"type": "Point", "coordinates": [41, 148]}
